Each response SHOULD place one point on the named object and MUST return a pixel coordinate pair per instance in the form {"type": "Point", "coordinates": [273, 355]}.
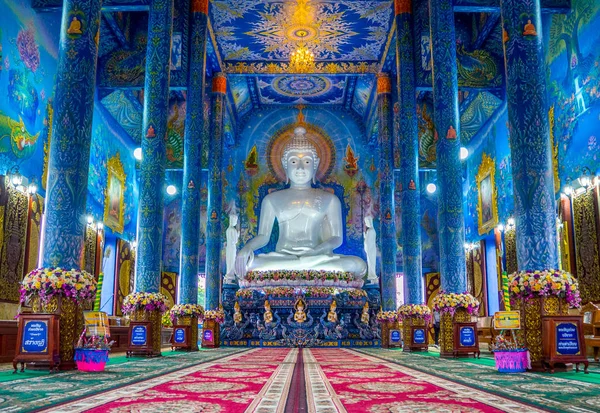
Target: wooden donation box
{"type": "Point", "coordinates": [466, 340]}
{"type": "Point", "coordinates": [395, 339]}
{"type": "Point", "coordinates": [563, 341]}
{"type": "Point", "coordinates": [211, 337]}
{"type": "Point", "coordinates": [140, 338]}
{"type": "Point", "coordinates": [38, 340]}
{"type": "Point", "coordinates": [181, 337]}
{"type": "Point", "coordinates": [419, 338]}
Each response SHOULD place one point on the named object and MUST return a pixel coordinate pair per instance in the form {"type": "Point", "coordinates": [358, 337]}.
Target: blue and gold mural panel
{"type": "Point", "coordinates": [307, 89]}
{"type": "Point", "coordinates": [342, 30]}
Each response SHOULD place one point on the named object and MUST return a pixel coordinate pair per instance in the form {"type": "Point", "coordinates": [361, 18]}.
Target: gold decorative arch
{"type": "Point", "coordinates": [114, 197]}
{"type": "Point", "coordinates": [487, 197]}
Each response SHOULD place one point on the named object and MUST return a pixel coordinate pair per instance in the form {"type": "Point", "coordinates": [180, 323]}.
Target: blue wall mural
{"type": "Point", "coordinates": [28, 56]}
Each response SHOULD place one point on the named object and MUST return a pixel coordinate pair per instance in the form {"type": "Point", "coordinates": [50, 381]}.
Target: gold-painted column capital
{"type": "Point", "coordinates": [402, 6]}
{"type": "Point", "coordinates": [200, 6]}
{"type": "Point", "coordinates": [384, 83]}
{"type": "Point", "coordinates": [219, 83]}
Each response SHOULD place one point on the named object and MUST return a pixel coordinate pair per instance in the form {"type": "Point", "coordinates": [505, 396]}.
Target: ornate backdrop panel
{"type": "Point", "coordinates": [90, 249]}
{"type": "Point", "coordinates": [479, 277]}
{"type": "Point", "coordinates": [585, 211]}
{"type": "Point", "coordinates": [36, 212]}
{"type": "Point", "coordinates": [124, 272]}
{"type": "Point", "coordinates": [510, 243]}
{"type": "Point", "coordinates": [13, 231]}
{"type": "Point", "coordinates": [168, 286]}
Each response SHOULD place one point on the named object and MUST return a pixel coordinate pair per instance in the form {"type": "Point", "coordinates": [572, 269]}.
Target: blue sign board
{"type": "Point", "coordinates": [35, 337]}
{"type": "Point", "coordinates": [139, 335]}
{"type": "Point", "coordinates": [179, 335]}
{"type": "Point", "coordinates": [467, 336]}
{"type": "Point", "coordinates": [208, 336]}
{"type": "Point", "coordinates": [395, 336]}
{"type": "Point", "coordinates": [419, 336]}
{"type": "Point", "coordinates": [567, 339]}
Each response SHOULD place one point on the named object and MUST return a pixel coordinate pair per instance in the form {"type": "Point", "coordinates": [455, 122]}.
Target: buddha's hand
{"type": "Point", "coordinates": [300, 251]}
{"type": "Point", "coordinates": [242, 261]}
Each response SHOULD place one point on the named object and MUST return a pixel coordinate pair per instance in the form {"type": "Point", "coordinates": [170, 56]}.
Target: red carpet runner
{"type": "Point", "coordinates": [257, 380]}
{"type": "Point", "coordinates": [340, 380]}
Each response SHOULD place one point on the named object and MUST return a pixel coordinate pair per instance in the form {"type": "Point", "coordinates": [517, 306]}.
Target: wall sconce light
{"type": "Point", "coordinates": [431, 188]}
{"type": "Point", "coordinates": [171, 190]}
{"type": "Point", "coordinates": [137, 154]}
{"type": "Point", "coordinates": [100, 226]}
{"type": "Point", "coordinates": [90, 219]}
{"type": "Point", "coordinates": [510, 223]}
{"type": "Point", "coordinates": [133, 244]}
{"type": "Point", "coordinates": [32, 188]}
{"type": "Point", "coordinates": [464, 153]}
{"type": "Point", "coordinates": [585, 179]}
{"type": "Point", "coordinates": [500, 227]}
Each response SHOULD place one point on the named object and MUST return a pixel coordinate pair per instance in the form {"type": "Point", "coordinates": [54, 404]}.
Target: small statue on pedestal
{"type": "Point", "coordinates": [237, 314]}
{"type": "Point", "coordinates": [364, 317]}
{"type": "Point", "coordinates": [370, 245]}
{"type": "Point", "coordinates": [332, 315]}
{"type": "Point", "coordinates": [268, 317]}
{"type": "Point", "coordinates": [300, 315]}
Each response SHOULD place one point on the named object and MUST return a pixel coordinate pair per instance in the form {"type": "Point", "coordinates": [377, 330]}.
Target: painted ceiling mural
{"type": "Point", "coordinates": [293, 89]}
{"type": "Point", "coordinates": [258, 33]}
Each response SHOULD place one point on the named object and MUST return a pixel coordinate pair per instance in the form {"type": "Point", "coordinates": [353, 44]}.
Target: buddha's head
{"type": "Point", "coordinates": [233, 220]}
{"type": "Point", "coordinates": [369, 221]}
{"type": "Point", "coordinates": [300, 159]}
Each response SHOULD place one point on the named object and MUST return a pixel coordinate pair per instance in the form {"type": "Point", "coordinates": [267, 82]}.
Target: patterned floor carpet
{"type": "Point", "coordinates": [257, 380]}
{"type": "Point", "coordinates": [560, 392]}
{"type": "Point", "coordinates": [33, 390]}
{"type": "Point", "coordinates": [340, 380]}
{"type": "Point", "coordinates": [332, 381]}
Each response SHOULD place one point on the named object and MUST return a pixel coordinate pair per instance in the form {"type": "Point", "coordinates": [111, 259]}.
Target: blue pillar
{"type": "Point", "coordinates": [192, 165]}
{"type": "Point", "coordinates": [530, 147]}
{"type": "Point", "coordinates": [71, 137]}
{"type": "Point", "coordinates": [386, 193]}
{"type": "Point", "coordinates": [152, 174]}
{"type": "Point", "coordinates": [409, 155]}
{"type": "Point", "coordinates": [215, 195]}
{"type": "Point", "coordinates": [451, 222]}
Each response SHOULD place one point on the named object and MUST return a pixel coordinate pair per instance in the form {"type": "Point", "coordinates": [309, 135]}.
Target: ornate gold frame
{"type": "Point", "coordinates": [487, 168]}
{"type": "Point", "coordinates": [115, 169]}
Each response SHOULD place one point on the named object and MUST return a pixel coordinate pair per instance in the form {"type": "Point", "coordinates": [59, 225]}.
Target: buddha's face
{"type": "Point", "coordinates": [300, 167]}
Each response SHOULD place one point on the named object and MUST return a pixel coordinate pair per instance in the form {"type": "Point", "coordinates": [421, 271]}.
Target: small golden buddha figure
{"type": "Point", "coordinates": [529, 29]}
{"type": "Point", "coordinates": [268, 317]}
{"type": "Point", "coordinates": [150, 133]}
{"type": "Point", "coordinates": [364, 317]}
{"type": "Point", "coordinates": [451, 133]}
{"type": "Point", "coordinates": [300, 315]}
{"type": "Point", "coordinates": [75, 26]}
{"type": "Point", "coordinates": [504, 35]}
{"type": "Point", "coordinates": [332, 315]}
{"type": "Point", "coordinates": [411, 185]}
{"type": "Point", "coordinates": [237, 314]}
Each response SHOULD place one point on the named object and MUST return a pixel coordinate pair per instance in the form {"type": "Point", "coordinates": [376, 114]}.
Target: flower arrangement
{"type": "Point", "coordinates": [355, 293]}
{"type": "Point", "coordinates": [77, 285]}
{"type": "Point", "coordinates": [299, 275]}
{"type": "Point", "coordinates": [450, 302]}
{"type": "Point", "coordinates": [166, 320]}
{"type": "Point", "coordinates": [529, 284]}
{"type": "Point", "coordinates": [502, 343]}
{"type": "Point", "coordinates": [383, 316]}
{"type": "Point", "coordinates": [319, 292]}
{"type": "Point", "coordinates": [217, 315]}
{"type": "Point", "coordinates": [144, 302]}
{"type": "Point", "coordinates": [94, 342]}
{"type": "Point", "coordinates": [414, 310]}
{"type": "Point", "coordinates": [186, 310]}
{"type": "Point", "coordinates": [244, 293]}
{"type": "Point", "coordinates": [281, 291]}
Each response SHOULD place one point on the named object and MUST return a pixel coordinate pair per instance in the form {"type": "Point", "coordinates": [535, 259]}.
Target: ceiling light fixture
{"type": "Point", "coordinates": [302, 60]}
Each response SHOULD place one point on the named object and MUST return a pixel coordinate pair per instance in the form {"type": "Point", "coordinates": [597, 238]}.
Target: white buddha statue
{"type": "Point", "coordinates": [310, 221]}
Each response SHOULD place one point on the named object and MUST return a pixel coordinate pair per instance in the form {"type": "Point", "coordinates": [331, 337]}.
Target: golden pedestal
{"type": "Point", "coordinates": [407, 328]}
{"type": "Point", "coordinates": [447, 321]}
{"type": "Point", "coordinates": [532, 311]}
{"type": "Point", "coordinates": [211, 334]}
{"type": "Point", "coordinates": [192, 322]}
{"type": "Point", "coordinates": [155, 320]}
